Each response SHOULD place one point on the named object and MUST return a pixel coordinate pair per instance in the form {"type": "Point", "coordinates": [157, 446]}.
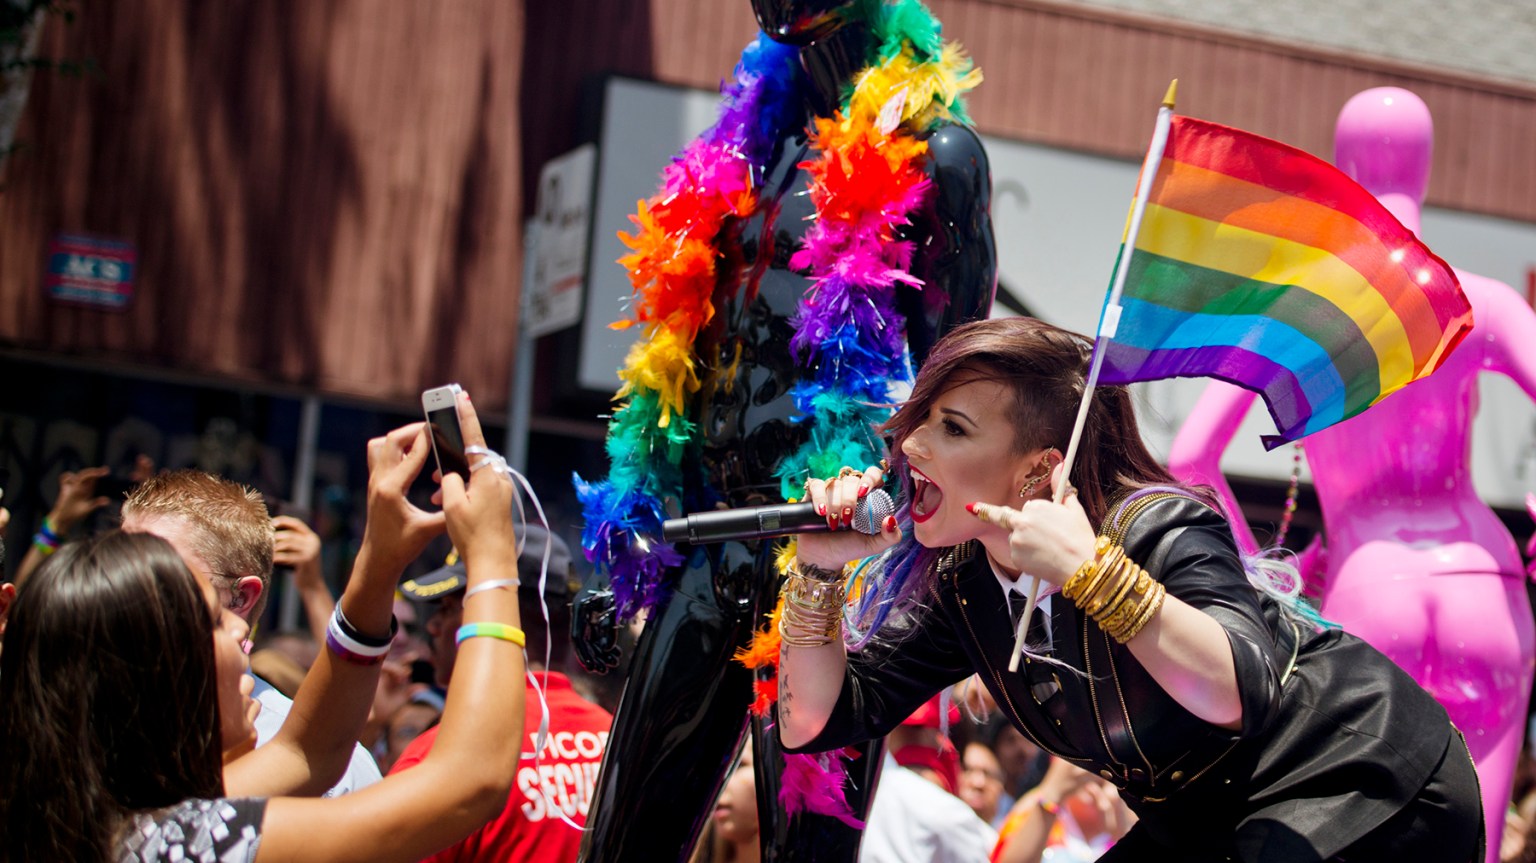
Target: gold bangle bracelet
{"type": "Point", "coordinates": [1120, 587]}
{"type": "Point", "coordinates": [1104, 589]}
{"type": "Point", "coordinates": [1080, 585]}
{"type": "Point", "coordinates": [1125, 626]}
{"type": "Point", "coordinates": [1070, 588]}
{"type": "Point", "coordinates": [1153, 603]}
{"type": "Point", "coordinates": [1126, 610]}
{"type": "Point", "coordinates": [813, 606]}
{"type": "Point", "coordinates": [1101, 587]}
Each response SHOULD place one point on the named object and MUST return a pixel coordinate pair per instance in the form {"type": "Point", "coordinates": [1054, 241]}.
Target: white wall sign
{"type": "Point", "coordinates": [557, 242]}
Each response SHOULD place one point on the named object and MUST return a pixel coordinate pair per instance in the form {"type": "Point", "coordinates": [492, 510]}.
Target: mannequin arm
{"type": "Point", "coordinates": [1506, 327]}
{"type": "Point", "coordinates": [956, 255]}
{"type": "Point", "coordinates": [1196, 453]}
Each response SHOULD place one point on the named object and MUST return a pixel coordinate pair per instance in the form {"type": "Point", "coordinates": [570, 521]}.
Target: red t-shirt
{"type": "Point", "coordinates": [562, 781]}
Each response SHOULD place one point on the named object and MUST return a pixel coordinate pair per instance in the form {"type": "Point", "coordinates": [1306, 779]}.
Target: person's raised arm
{"type": "Point", "coordinates": [812, 658]}
{"type": "Point", "coordinates": [312, 749]}
{"type": "Point", "coordinates": [1028, 828]}
{"type": "Point", "coordinates": [297, 546]}
{"type": "Point", "coordinates": [77, 500]}
{"type": "Point", "coordinates": [465, 779]}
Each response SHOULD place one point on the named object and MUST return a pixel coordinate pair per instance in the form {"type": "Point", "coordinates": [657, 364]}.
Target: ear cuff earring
{"type": "Point", "coordinates": [1033, 483]}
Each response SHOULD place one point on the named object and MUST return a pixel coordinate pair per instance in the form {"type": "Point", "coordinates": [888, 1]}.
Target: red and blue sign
{"type": "Point", "coordinates": [91, 271]}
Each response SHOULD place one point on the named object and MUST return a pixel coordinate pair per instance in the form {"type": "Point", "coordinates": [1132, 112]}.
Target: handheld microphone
{"type": "Point", "coordinates": [761, 522]}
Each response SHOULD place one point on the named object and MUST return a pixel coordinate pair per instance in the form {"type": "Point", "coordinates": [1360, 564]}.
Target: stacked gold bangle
{"type": "Point", "coordinates": [1114, 591]}
{"type": "Point", "coordinates": [813, 606]}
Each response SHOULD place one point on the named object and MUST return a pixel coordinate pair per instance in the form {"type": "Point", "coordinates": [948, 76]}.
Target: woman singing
{"type": "Point", "coordinates": [1235, 728]}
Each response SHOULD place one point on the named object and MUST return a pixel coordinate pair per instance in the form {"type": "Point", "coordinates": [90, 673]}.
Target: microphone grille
{"type": "Point", "coordinates": [872, 511]}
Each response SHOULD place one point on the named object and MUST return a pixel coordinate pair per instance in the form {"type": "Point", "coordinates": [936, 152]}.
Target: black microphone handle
{"type": "Point", "coordinates": [761, 522]}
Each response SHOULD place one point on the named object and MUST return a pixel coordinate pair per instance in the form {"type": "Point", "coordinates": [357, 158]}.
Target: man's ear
{"type": "Point", "coordinates": [7, 594]}
{"type": "Point", "coordinates": [244, 596]}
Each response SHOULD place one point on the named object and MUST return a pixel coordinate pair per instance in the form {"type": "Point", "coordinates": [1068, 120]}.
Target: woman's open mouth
{"type": "Point", "coordinates": [926, 497]}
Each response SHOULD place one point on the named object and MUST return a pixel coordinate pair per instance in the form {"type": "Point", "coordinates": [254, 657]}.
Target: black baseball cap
{"type": "Point", "coordinates": [451, 578]}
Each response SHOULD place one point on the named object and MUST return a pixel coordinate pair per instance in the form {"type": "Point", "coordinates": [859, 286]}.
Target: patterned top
{"type": "Point", "coordinates": [197, 831]}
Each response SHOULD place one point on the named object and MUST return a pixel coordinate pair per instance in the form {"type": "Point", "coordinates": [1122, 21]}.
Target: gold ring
{"type": "Point", "coordinates": [847, 472]}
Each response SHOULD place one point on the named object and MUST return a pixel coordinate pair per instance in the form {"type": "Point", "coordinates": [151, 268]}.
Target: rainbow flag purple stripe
{"type": "Point", "coordinates": [1262, 265]}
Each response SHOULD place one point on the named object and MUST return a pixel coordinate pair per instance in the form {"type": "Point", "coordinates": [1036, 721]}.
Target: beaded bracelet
{"type": "Point", "coordinates": [503, 631]}
{"type": "Point", "coordinates": [46, 540]}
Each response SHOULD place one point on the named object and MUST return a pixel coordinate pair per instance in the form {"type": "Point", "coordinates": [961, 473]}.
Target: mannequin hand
{"type": "Point", "coordinates": [594, 629]}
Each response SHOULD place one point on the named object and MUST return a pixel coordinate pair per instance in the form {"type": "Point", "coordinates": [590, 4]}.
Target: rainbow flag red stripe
{"type": "Point", "coordinates": [1265, 266]}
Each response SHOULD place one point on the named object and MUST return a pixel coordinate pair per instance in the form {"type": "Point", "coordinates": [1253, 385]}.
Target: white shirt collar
{"type": "Point", "coordinates": [1023, 585]}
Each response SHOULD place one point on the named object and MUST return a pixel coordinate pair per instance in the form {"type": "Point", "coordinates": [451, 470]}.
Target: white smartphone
{"type": "Point", "coordinates": [440, 404]}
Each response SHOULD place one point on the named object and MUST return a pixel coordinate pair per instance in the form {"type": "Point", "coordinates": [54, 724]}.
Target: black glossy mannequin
{"type": "Point", "coordinates": [685, 706]}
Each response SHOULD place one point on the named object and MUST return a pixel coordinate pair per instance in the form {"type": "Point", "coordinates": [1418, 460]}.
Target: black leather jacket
{"type": "Point", "coordinates": [1325, 717]}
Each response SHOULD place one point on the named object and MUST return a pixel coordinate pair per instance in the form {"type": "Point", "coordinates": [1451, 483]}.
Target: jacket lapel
{"type": "Point", "coordinates": [990, 623]}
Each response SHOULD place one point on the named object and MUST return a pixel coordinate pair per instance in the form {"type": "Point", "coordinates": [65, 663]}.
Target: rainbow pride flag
{"type": "Point", "coordinates": [1265, 266]}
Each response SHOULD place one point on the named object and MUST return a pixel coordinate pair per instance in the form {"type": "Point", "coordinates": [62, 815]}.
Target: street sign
{"type": "Point", "coordinates": [91, 271]}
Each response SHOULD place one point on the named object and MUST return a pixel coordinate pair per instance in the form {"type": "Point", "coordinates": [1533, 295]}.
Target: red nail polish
{"type": "Point", "coordinates": [821, 509]}
{"type": "Point", "coordinates": [970, 508]}
{"type": "Point", "coordinates": [863, 490]}
{"type": "Point", "coordinates": [832, 522]}
{"type": "Point", "coordinates": [890, 523]}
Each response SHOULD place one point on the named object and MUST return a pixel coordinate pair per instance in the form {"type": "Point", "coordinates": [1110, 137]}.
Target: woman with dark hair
{"type": "Point", "coordinates": [123, 689]}
{"type": "Point", "coordinates": [1232, 724]}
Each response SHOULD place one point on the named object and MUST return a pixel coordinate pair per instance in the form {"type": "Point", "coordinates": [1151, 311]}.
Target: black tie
{"type": "Point", "coordinates": [1037, 638]}
{"type": "Point", "coordinates": [1042, 681]}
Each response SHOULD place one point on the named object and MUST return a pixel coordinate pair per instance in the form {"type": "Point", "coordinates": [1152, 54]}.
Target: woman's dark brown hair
{"type": "Point", "coordinates": [108, 698]}
{"type": "Point", "coordinates": [1045, 368]}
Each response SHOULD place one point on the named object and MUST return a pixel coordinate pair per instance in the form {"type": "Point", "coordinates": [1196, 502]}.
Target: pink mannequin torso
{"type": "Point", "coordinates": [1417, 564]}
{"type": "Point", "coordinates": [1400, 473]}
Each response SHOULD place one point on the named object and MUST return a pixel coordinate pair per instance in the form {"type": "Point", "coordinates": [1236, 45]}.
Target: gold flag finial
{"type": "Point", "coordinates": [1173, 90]}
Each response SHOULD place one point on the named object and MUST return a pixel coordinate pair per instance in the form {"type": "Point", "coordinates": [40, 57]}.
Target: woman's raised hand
{"type": "Point", "coordinates": [1045, 539]}
{"type": "Point", "coordinates": [397, 530]}
{"type": "Point", "coordinates": [836, 499]}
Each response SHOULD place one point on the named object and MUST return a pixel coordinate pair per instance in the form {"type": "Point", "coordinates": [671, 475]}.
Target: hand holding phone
{"type": "Point", "coordinates": [440, 404]}
{"type": "Point", "coordinates": [115, 487]}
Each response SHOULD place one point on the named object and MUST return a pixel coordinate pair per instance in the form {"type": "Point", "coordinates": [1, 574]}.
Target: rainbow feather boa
{"type": "Point", "coordinates": [866, 181]}
{"type": "Point", "coordinates": [672, 269]}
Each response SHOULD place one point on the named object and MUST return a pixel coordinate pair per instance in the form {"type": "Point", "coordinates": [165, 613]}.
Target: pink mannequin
{"type": "Point", "coordinates": [1416, 563]}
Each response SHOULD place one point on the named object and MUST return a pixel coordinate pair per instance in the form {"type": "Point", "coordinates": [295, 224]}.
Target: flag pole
{"type": "Point", "coordinates": [1108, 323]}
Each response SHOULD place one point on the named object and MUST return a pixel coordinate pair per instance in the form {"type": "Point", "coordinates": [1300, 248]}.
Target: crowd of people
{"type": "Point", "coordinates": [132, 727]}
{"type": "Point", "coordinates": [137, 723]}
